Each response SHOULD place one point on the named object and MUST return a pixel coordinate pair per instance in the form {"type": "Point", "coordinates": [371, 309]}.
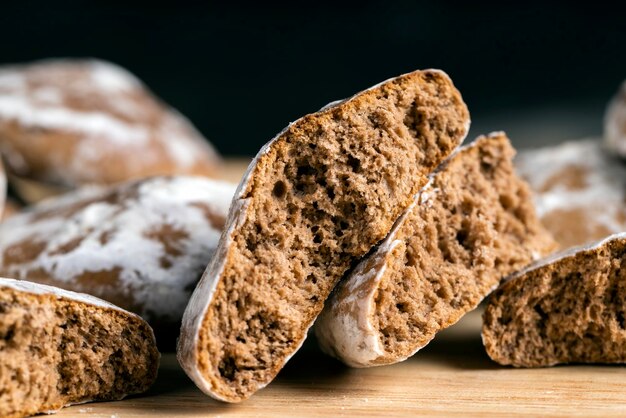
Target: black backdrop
{"type": "Point", "coordinates": [240, 71]}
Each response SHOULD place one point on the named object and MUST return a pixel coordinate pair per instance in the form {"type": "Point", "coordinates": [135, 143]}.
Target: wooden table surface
{"type": "Point", "coordinates": [451, 376]}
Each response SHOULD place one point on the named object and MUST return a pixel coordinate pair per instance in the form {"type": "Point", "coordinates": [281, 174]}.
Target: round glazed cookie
{"type": "Point", "coordinates": [141, 245]}
{"type": "Point", "coordinates": [60, 348]}
{"type": "Point", "coordinates": [579, 190]}
{"type": "Point", "coordinates": [73, 122]}
{"type": "Point", "coordinates": [615, 122]}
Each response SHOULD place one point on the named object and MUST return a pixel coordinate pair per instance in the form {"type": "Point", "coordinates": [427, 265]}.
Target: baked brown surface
{"type": "Point", "coordinates": [568, 308]}
{"type": "Point", "coordinates": [472, 224]}
{"type": "Point", "coordinates": [59, 348]}
{"type": "Point", "coordinates": [579, 190]}
{"type": "Point", "coordinates": [315, 199]}
{"type": "Point", "coordinates": [74, 122]}
{"type": "Point", "coordinates": [141, 245]}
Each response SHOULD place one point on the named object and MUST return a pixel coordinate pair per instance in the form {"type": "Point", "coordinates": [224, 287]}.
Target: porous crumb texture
{"type": "Point", "coordinates": [471, 225]}
{"type": "Point", "coordinates": [476, 225]}
{"type": "Point", "coordinates": [141, 245]}
{"type": "Point", "coordinates": [579, 190]}
{"type": "Point", "coordinates": [73, 122]}
{"type": "Point", "coordinates": [55, 352]}
{"type": "Point", "coordinates": [571, 310]}
{"type": "Point", "coordinates": [325, 191]}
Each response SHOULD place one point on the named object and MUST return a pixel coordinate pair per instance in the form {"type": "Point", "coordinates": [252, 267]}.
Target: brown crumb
{"type": "Point", "coordinates": [566, 309]}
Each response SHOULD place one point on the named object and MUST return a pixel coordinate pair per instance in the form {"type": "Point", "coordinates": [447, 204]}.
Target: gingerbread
{"type": "Point", "coordinates": [60, 348]}
{"type": "Point", "coordinates": [66, 123]}
{"type": "Point", "coordinates": [567, 308]}
{"type": "Point", "coordinates": [579, 190]}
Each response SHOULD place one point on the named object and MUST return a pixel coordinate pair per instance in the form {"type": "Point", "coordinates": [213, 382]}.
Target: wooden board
{"type": "Point", "coordinates": [451, 377]}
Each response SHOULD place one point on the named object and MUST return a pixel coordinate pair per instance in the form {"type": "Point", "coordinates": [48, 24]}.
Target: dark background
{"type": "Point", "coordinates": [242, 71]}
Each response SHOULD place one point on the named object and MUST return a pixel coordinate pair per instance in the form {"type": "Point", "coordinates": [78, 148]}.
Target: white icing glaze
{"type": "Point", "coordinates": [42, 289]}
{"type": "Point", "coordinates": [36, 96]}
{"type": "Point", "coordinates": [604, 181]}
{"type": "Point", "coordinates": [187, 349]}
{"type": "Point", "coordinates": [615, 122]}
{"type": "Point", "coordinates": [353, 332]}
{"type": "Point", "coordinates": [159, 202]}
{"type": "Point", "coordinates": [93, 124]}
{"type": "Point", "coordinates": [112, 78]}
{"type": "Point", "coordinates": [11, 80]}
{"type": "Point", "coordinates": [344, 329]}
